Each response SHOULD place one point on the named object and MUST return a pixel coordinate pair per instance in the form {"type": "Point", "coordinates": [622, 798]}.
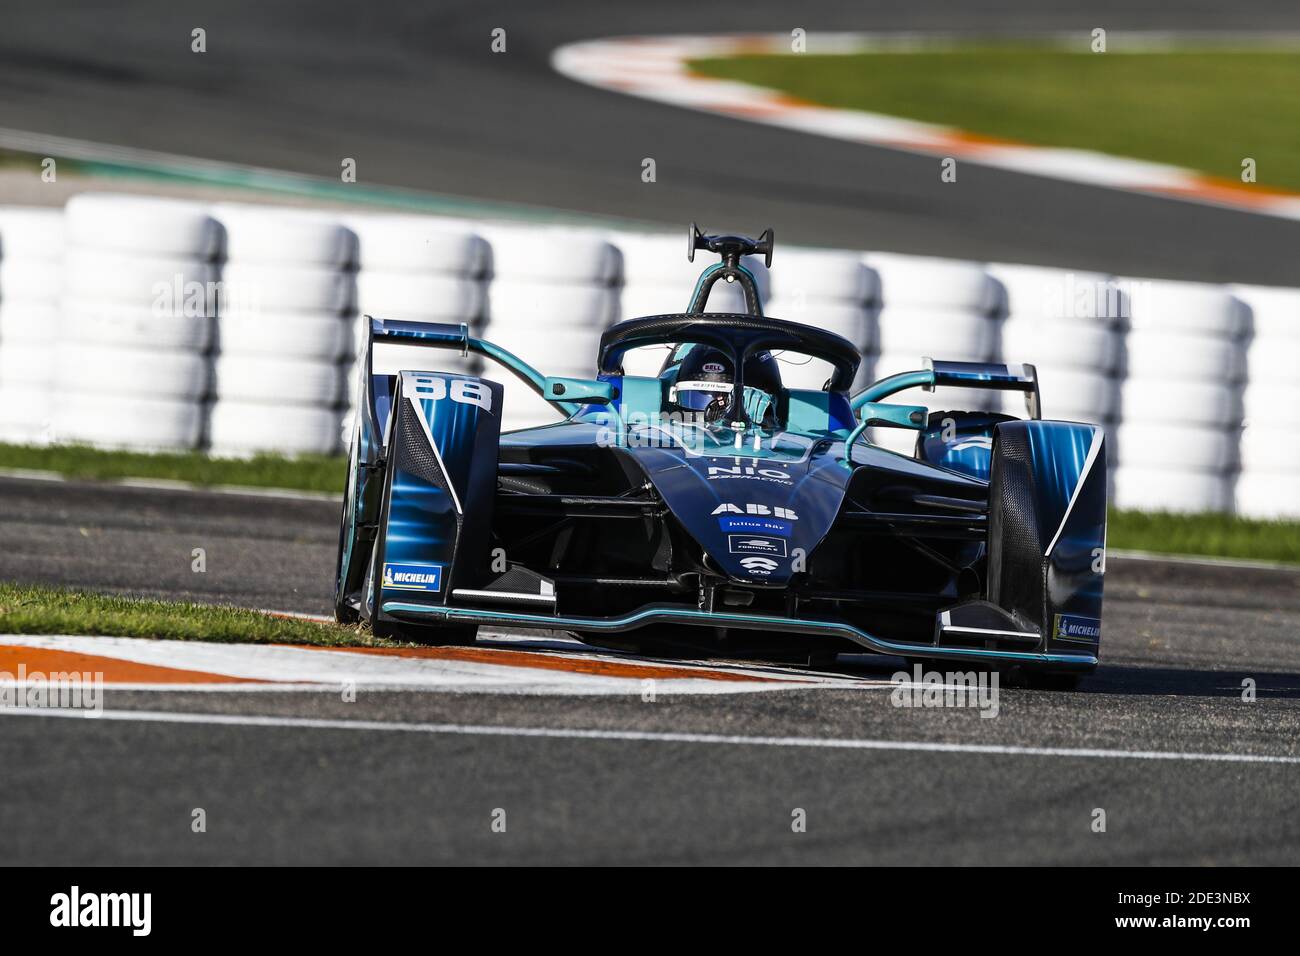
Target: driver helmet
{"type": "Point", "coordinates": [706, 377]}
{"type": "Point", "coordinates": [704, 383]}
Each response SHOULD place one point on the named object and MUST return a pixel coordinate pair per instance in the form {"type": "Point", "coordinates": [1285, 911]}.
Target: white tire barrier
{"type": "Point", "coordinates": [107, 370]}
{"type": "Point", "coordinates": [515, 303]}
{"type": "Point", "coordinates": [253, 286]}
{"type": "Point", "coordinates": [156, 282]}
{"type": "Point", "coordinates": [30, 280]}
{"type": "Point", "coordinates": [1275, 360]}
{"type": "Point", "coordinates": [1061, 295]}
{"type": "Point", "coordinates": [1275, 312]}
{"type": "Point", "coordinates": [1271, 447]}
{"type": "Point", "coordinates": [126, 421]}
{"type": "Point", "coordinates": [25, 414]}
{"type": "Point", "coordinates": [1270, 403]}
{"type": "Point", "coordinates": [135, 327]}
{"type": "Point", "coordinates": [937, 333]}
{"type": "Point", "coordinates": [553, 351]}
{"type": "Point", "coordinates": [1170, 356]}
{"type": "Point", "coordinates": [1190, 403]}
{"type": "Point", "coordinates": [815, 274]}
{"type": "Point", "coordinates": [1166, 445]}
{"type": "Point", "coordinates": [29, 322]}
{"type": "Point", "coordinates": [636, 301]}
{"type": "Point", "coordinates": [267, 234]}
{"type": "Point", "coordinates": [914, 282]}
{"type": "Point", "coordinates": [1168, 489]}
{"type": "Point", "coordinates": [277, 381]}
{"type": "Point", "coordinates": [416, 297]}
{"type": "Point", "coordinates": [131, 224]}
{"type": "Point", "coordinates": [238, 428]}
{"type": "Point", "coordinates": [419, 244]}
{"type": "Point", "coordinates": [552, 254]}
{"type": "Point", "coordinates": [27, 363]}
{"type": "Point", "coordinates": [1061, 343]}
{"type": "Point", "coordinates": [1263, 494]}
{"type": "Point", "coordinates": [305, 336]}
{"type": "Point", "coordinates": [31, 232]}
{"type": "Point", "coordinates": [857, 323]}
{"type": "Point", "coordinates": [1071, 394]}
{"type": "Point", "coordinates": [1187, 308]}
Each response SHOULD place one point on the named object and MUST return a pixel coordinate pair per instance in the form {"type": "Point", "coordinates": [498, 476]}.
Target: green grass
{"type": "Point", "coordinates": [1204, 109]}
{"type": "Point", "coordinates": [1215, 535]}
{"type": "Point", "coordinates": [306, 473]}
{"type": "Point", "coordinates": [35, 609]}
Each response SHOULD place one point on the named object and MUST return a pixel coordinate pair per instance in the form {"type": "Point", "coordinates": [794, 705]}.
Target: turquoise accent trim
{"type": "Point", "coordinates": [850, 441]}
{"type": "Point", "coordinates": [587, 390]}
{"type": "Point", "coordinates": [921, 378]}
{"type": "Point", "coordinates": [810, 412]}
{"type": "Point", "coordinates": [723, 618]}
{"type": "Point", "coordinates": [716, 267]}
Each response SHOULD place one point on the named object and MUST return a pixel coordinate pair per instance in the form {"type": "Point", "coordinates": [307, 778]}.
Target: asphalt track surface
{"type": "Point", "coordinates": [1179, 640]}
{"type": "Point", "coordinates": [413, 92]}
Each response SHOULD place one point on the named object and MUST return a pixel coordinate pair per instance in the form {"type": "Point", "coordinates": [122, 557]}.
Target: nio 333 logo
{"type": "Point", "coordinates": [757, 473]}
{"type": "Point", "coordinates": [773, 511]}
{"type": "Point", "coordinates": [462, 390]}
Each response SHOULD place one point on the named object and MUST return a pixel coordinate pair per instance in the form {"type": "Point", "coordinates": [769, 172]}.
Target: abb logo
{"type": "Point", "coordinates": [756, 509]}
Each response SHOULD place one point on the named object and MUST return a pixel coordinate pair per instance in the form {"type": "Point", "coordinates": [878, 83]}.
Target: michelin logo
{"type": "Point", "coordinates": [1068, 627]}
{"type": "Point", "coordinates": [413, 577]}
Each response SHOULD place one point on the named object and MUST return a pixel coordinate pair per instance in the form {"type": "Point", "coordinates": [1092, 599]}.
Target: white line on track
{"type": "Point", "coordinates": [561, 733]}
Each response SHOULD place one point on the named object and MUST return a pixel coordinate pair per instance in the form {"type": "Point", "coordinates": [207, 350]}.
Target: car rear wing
{"type": "Point", "coordinates": [936, 374]}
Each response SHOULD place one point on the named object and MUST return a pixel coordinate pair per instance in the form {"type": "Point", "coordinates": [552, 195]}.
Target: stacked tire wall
{"type": "Point", "coordinates": [130, 322]}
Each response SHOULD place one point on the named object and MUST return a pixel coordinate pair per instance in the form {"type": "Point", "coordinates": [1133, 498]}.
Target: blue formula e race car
{"type": "Point", "coordinates": [710, 509]}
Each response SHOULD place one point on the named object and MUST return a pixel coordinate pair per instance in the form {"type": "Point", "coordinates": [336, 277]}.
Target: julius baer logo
{"type": "Point", "coordinates": [756, 518]}
{"type": "Point", "coordinates": [75, 908]}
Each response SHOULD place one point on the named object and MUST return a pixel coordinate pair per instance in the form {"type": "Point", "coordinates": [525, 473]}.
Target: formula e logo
{"type": "Point", "coordinates": [750, 544]}
{"type": "Point", "coordinates": [462, 390]}
{"type": "Point", "coordinates": [413, 577]}
{"type": "Point", "coordinates": [757, 509]}
{"type": "Point", "coordinates": [757, 565]}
